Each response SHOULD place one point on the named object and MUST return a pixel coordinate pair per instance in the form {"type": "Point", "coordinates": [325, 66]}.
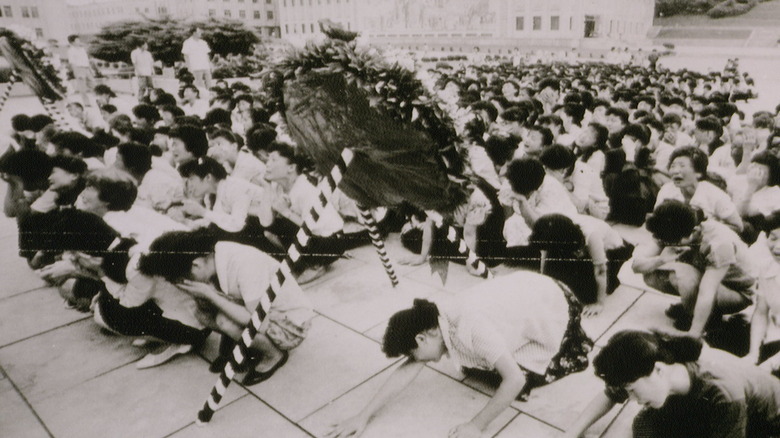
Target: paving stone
{"type": "Point", "coordinates": [247, 417]}
{"type": "Point", "coordinates": [525, 426]}
{"type": "Point", "coordinates": [127, 402]}
{"type": "Point", "coordinates": [17, 276]}
{"type": "Point", "coordinates": [646, 313]}
{"type": "Point", "coordinates": [60, 359]}
{"type": "Point", "coordinates": [34, 312]}
{"type": "Point", "coordinates": [431, 406]}
{"type": "Point", "coordinates": [366, 298]}
{"type": "Point", "coordinates": [17, 420]}
{"type": "Point", "coordinates": [331, 361]}
{"type": "Point", "coordinates": [615, 305]}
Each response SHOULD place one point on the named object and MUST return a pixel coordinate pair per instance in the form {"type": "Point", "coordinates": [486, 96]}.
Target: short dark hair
{"type": "Point", "coordinates": [631, 354]}
{"type": "Point", "coordinates": [547, 135]}
{"type": "Point", "coordinates": [557, 157]}
{"type": "Point", "coordinates": [188, 86]}
{"type": "Point", "coordinates": [710, 124]}
{"type": "Point", "coordinates": [260, 136]}
{"type": "Point", "coordinates": [171, 255]}
{"type": "Point", "coordinates": [31, 165]}
{"type": "Point", "coordinates": [699, 159]}
{"type": "Point", "coordinates": [194, 138]}
{"type": "Point", "coordinates": [772, 163]}
{"type": "Point", "coordinates": [229, 136]}
{"type": "Point", "coordinates": [146, 112]}
{"type": "Point", "coordinates": [20, 122]}
{"type": "Point", "coordinates": [219, 117]}
{"type": "Point", "coordinates": [115, 187]}
{"type": "Point", "coordinates": [638, 132]}
{"type": "Point", "coordinates": [40, 121]}
{"type": "Point", "coordinates": [104, 90]}
{"type": "Point", "coordinates": [174, 110]}
{"type": "Point", "coordinates": [202, 167]}
{"type": "Point", "coordinates": [558, 234]}
{"type": "Point", "coordinates": [72, 38]}
{"type": "Point", "coordinates": [406, 324]}
{"type": "Point", "coordinates": [73, 165]}
{"type": "Point", "coordinates": [553, 83]}
{"type": "Point", "coordinates": [525, 175]}
{"type": "Point", "coordinates": [500, 148]}
{"type": "Point", "coordinates": [75, 142]}
{"type": "Point", "coordinates": [673, 221]}
{"type": "Point", "coordinates": [288, 152]}
{"type": "Point", "coordinates": [574, 110]}
{"type": "Point", "coordinates": [619, 112]}
{"type": "Point", "coordinates": [136, 157]}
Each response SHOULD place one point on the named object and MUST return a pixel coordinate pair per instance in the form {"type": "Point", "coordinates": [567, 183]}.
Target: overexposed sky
{"type": "Point", "coordinates": [84, 2]}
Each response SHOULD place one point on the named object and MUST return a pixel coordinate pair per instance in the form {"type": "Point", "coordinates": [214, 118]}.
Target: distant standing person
{"type": "Point", "coordinates": [80, 65]}
{"type": "Point", "coordinates": [652, 59]}
{"type": "Point", "coordinates": [143, 62]}
{"type": "Point", "coordinates": [196, 53]}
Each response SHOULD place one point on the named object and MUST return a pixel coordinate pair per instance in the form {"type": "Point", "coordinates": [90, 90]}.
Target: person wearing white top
{"type": "Point", "coordinates": [511, 326]}
{"type": "Point", "coordinates": [196, 54]}
{"type": "Point", "coordinates": [765, 325]}
{"type": "Point", "coordinates": [288, 199]}
{"type": "Point", "coordinates": [688, 168]}
{"type": "Point", "coordinates": [531, 194]}
{"type": "Point", "coordinates": [81, 67]}
{"type": "Point", "coordinates": [191, 103]}
{"type": "Point", "coordinates": [143, 63]}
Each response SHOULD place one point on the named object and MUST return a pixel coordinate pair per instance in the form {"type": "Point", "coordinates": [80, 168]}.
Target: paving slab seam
{"type": "Point", "coordinates": [621, 315]}
{"type": "Point", "coordinates": [349, 390]}
{"type": "Point", "coordinates": [252, 394]}
{"type": "Point", "coordinates": [16, 294]}
{"type": "Point", "coordinates": [192, 422]}
{"type": "Point", "coordinates": [614, 419]}
{"type": "Point", "coordinates": [498, 432]}
{"type": "Point", "coordinates": [44, 332]}
{"type": "Point", "coordinates": [27, 402]}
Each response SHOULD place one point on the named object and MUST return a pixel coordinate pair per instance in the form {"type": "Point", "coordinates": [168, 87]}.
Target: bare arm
{"type": "Point", "coordinates": [758, 326]}
{"type": "Point", "coordinates": [397, 382]}
{"type": "Point", "coordinates": [597, 408]}
{"type": "Point", "coordinates": [512, 381]}
{"type": "Point", "coordinates": [705, 300]}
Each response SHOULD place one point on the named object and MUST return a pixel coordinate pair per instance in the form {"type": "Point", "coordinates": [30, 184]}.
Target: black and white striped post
{"type": "Point", "coordinates": [368, 221]}
{"type": "Point", "coordinates": [471, 257]}
{"type": "Point", "coordinates": [284, 273]}
{"type": "Point", "coordinates": [12, 79]}
{"type": "Point", "coordinates": [52, 108]}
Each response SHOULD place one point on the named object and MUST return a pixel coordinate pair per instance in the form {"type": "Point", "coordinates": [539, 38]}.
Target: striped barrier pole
{"type": "Point", "coordinates": [12, 79]}
{"type": "Point", "coordinates": [367, 219]}
{"type": "Point", "coordinates": [284, 273]}
{"type": "Point", "coordinates": [471, 257]}
{"type": "Point", "coordinates": [54, 112]}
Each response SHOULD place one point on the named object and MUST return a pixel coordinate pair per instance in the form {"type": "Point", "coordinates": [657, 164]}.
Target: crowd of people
{"type": "Point", "coordinates": [167, 218]}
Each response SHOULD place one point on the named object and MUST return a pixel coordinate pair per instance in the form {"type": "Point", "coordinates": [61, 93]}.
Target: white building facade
{"type": "Point", "coordinates": [462, 25]}
{"type": "Point", "coordinates": [89, 17]}
{"type": "Point", "coordinates": [37, 19]}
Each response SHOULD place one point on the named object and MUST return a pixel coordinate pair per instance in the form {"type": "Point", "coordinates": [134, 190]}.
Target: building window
{"type": "Point", "coordinates": [286, 29]}
{"type": "Point", "coordinates": [257, 15]}
{"type": "Point", "coordinates": [25, 12]}
{"type": "Point", "coordinates": [241, 14]}
{"type": "Point", "coordinates": [537, 23]}
{"type": "Point", "coordinates": [520, 23]}
{"type": "Point", "coordinates": [228, 13]}
{"type": "Point", "coordinates": [162, 10]}
{"type": "Point", "coordinates": [555, 23]}
{"type": "Point", "coordinates": [571, 23]}
{"type": "Point", "coordinates": [312, 27]}
{"type": "Point", "coordinates": [268, 2]}
{"type": "Point", "coordinates": [34, 11]}
{"type": "Point", "coordinates": [212, 12]}
{"type": "Point", "coordinates": [241, 1]}
{"type": "Point", "coordinates": [269, 15]}
{"type": "Point", "coordinates": [254, 1]}
{"type": "Point", "coordinates": [38, 32]}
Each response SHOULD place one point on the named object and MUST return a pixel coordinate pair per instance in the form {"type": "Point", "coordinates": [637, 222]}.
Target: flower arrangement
{"type": "Point", "coordinates": [33, 64]}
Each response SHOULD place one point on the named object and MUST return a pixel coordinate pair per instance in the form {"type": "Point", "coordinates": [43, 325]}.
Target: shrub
{"type": "Point", "coordinates": [730, 8]}
{"type": "Point", "coordinates": [115, 41]}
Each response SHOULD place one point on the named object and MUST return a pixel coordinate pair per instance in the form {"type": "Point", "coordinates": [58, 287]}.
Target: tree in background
{"type": "Point", "coordinates": [166, 36]}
